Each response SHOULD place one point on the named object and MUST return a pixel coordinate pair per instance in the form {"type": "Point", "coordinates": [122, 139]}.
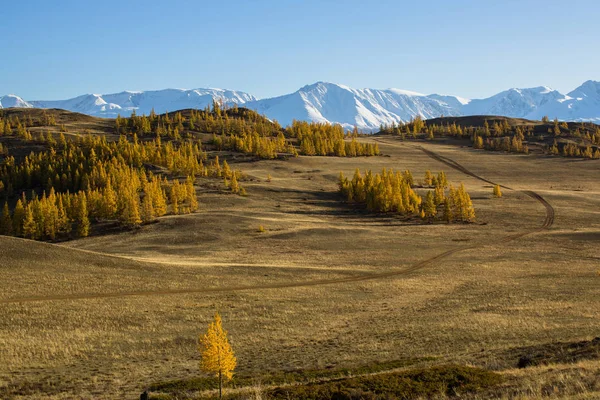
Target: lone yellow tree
{"type": "Point", "coordinates": [217, 354]}
{"type": "Point", "coordinates": [497, 191]}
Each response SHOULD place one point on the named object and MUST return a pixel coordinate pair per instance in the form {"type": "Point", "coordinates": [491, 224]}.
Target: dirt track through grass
{"type": "Point", "coordinates": [550, 213]}
{"type": "Point", "coordinates": [549, 220]}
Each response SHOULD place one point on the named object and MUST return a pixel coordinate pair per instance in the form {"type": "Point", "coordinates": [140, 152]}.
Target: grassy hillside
{"type": "Point", "coordinates": [515, 135]}
{"type": "Point", "coordinates": [317, 293]}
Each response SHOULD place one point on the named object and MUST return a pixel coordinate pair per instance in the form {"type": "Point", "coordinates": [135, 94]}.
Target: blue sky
{"type": "Point", "coordinates": [60, 49]}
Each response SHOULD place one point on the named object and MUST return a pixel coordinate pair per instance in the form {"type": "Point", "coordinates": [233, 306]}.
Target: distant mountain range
{"type": "Point", "coordinates": [328, 102]}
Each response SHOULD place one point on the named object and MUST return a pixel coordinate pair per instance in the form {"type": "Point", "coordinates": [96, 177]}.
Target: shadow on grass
{"type": "Point", "coordinates": [366, 382]}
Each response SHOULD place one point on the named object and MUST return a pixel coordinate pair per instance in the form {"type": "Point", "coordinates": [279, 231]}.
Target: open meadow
{"type": "Point", "coordinates": [323, 285]}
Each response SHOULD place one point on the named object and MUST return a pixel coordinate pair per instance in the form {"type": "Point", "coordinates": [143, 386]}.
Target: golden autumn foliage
{"type": "Point", "coordinates": [319, 139]}
{"type": "Point", "coordinates": [89, 179]}
{"type": "Point", "coordinates": [497, 192]}
{"type": "Point", "coordinates": [217, 354]}
{"type": "Point", "coordinates": [391, 191]}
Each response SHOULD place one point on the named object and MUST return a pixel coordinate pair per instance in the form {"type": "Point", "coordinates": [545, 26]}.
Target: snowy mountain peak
{"type": "Point", "coordinates": [11, 100]}
{"type": "Point", "coordinates": [587, 89]}
{"type": "Point", "coordinates": [365, 108]}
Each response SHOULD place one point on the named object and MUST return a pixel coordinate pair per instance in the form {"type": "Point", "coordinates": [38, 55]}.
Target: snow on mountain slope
{"type": "Point", "coordinates": [11, 100]}
{"type": "Point", "coordinates": [521, 103]}
{"type": "Point", "coordinates": [365, 108]}
{"type": "Point", "coordinates": [583, 103]}
{"type": "Point", "coordinates": [124, 103]}
{"type": "Point", "coordinates": [328, 102]}
{"type": "Point", "coordinates": [453, 101]}
{"type": "Point", "coordinates": [91, 104]}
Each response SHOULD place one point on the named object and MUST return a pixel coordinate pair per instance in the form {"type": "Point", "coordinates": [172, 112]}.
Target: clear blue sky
{"type": "Point", "coordinates": [472, 48]}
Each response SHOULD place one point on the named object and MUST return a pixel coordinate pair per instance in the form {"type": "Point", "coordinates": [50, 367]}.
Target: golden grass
{"type": "Point", "coordinates": [467, 308]}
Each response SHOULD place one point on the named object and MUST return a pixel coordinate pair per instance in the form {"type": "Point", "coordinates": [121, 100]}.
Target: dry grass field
{"type": "Point", "coordinates": [324, 286]}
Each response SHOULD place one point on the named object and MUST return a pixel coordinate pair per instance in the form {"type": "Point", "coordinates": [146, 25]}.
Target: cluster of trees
{"type": "Point", "coordinates": [318, 139]}
{"type": "Point", "coordinates": [509, 144]}
{"type": "Point", "coordinates": [76, 182]}
{"type": "Point", "coordinates": [218, 119]}
{"type": "Point", "coordinates": [82, 164]}
{"type": "Point", "coordinates": [392, 191]}
{"type": "Point", "coordinates": [266, 147]}
{"type": "Point", "coordinates": [13, 125]}
{"type": "Point", "coordinates": [573, 150]}
{"type": "Point", "coordinates": [386, 192]}
{"type": "Point", "coordinates": [593, 138]}
{"type": "Point", "coordinates": [129, 196]}
{"type": "Point", "coordinates": [246, 131]}
{"type": "Point", "coordinates": [499, 135]}
{"type": "Point", "coordinates": [431, 180]}
{"type": "Point", "coordinates": [230, 177]}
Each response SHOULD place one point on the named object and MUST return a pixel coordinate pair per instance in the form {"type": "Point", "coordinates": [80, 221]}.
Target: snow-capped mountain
{"type": "Point", "coordinates": [365, 108]}
{"type": "Point", "coordinates": [369, 108]}
{"type": "Point", "coordinates": [124, 103]}
{"type": "Point", "coordinates": [582, 103]}
{"type": "Point", "coordinates": [11, 100]}
{"type": "Point", "coordinates": [328, 102]}
{"type": "Point", "coordinates": [514, 102]}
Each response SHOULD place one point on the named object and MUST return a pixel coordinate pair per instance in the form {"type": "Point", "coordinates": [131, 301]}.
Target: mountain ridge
{"type": "Point", "coordinates": [335, 103]}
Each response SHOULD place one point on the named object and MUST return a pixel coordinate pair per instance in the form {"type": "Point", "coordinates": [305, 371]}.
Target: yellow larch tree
{"type": "Point", "coordinates": [497, 191]}
{"type": "Point", "coordinates": [217, 354]}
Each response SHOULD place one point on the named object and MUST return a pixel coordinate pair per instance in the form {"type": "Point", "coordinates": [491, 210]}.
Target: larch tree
{"type": "Point", "coordinates": [81, 216]}
{"type": "Point", "coordinates": [19, 218]}
{"type": "Point", "coordinates": [176, 198]}
{"type": "Point", "coordinates": [109, 197]}
{"type": "Point", "coordinates": [147, 211]}
{"type": "Point", "coordinates": [497, 191]}
{"type": "Point", "coordinates": [191, 192]}
{"type": "Point", "coordinates": [130, 213]}
{"type": "Point", "coordinates": [234, 186]}
{"type": "Point", "coordinates": [429, 206]}
{"type": "Point", "coordinates": [6, 227]}
{"type": "Point", "coordinates": [29, 225]}
{"type": "Point", "coordinates": [217, 354]}
{"type": "Point", "coordinates": [428, 178]}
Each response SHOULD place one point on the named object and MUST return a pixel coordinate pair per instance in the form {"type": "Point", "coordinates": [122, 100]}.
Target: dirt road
{"type": "Point", "coordinates": [549, 220]}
